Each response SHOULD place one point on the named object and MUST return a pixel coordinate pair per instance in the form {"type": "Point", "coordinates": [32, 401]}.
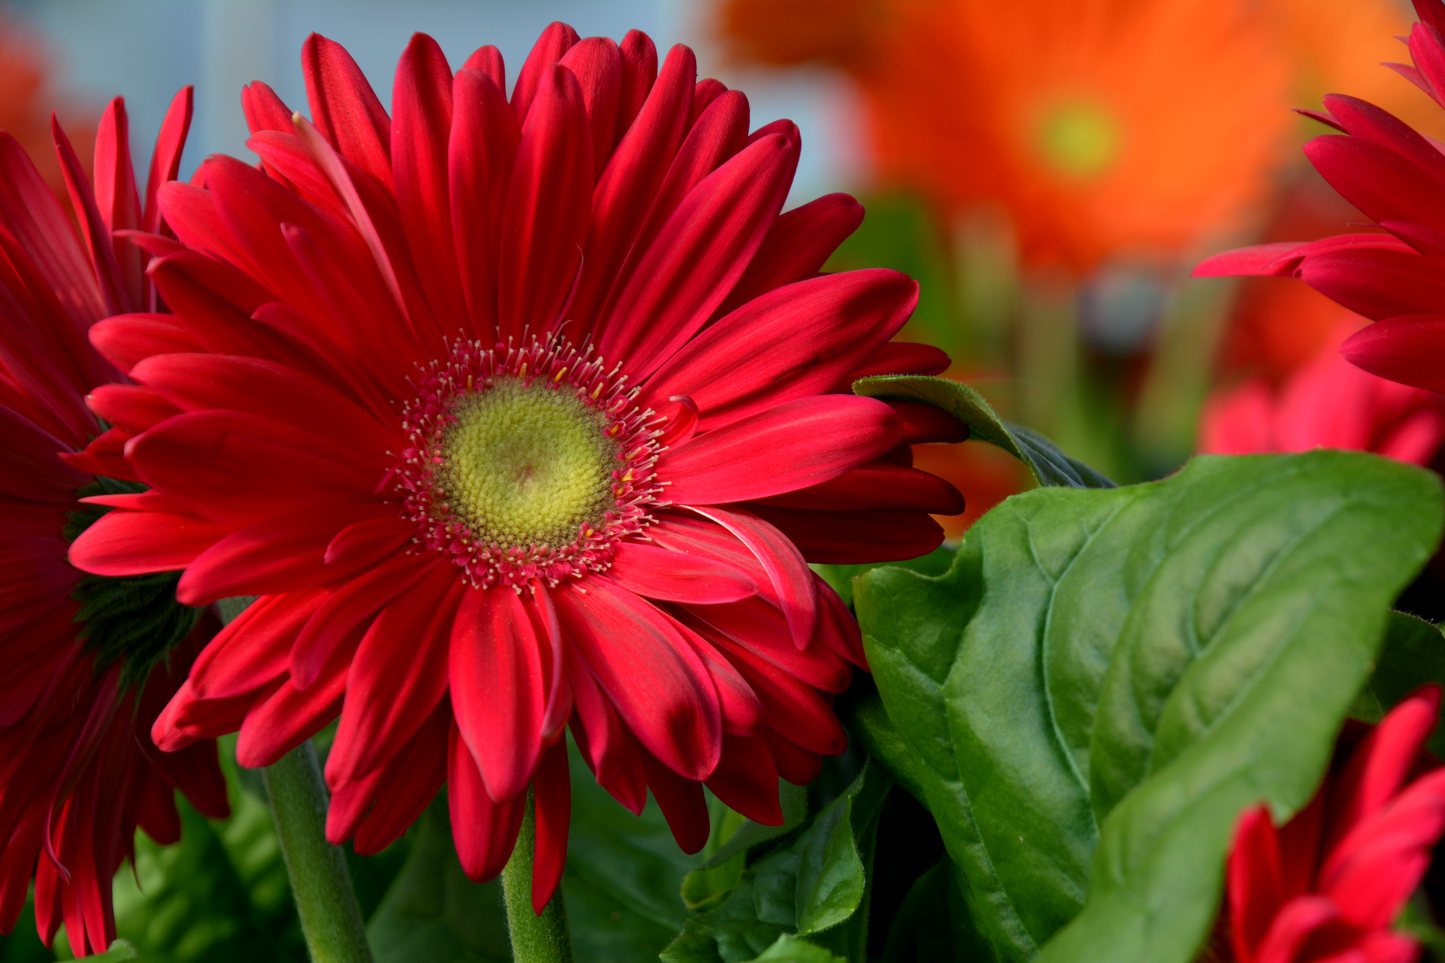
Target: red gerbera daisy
{"type": "Point", "coordinates": [1328, 885]}
{"type": "Point", "coordinates": [1397, 177]}
{"type": "Point", "coordinates": [515, 414]}
{"type": "Point", "coordinates": [1327, 403]}
{"type": "Point", "coordinates": [88, 661]}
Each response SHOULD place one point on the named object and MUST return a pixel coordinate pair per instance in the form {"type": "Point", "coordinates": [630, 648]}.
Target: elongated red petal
{"type": "Point", "coordinates": [791, 343]}
{"type": "Point", "coordinates": [553, 791]}
{"type": "Point", "coordinates": [345, 108]}
{"type": "Point", "coordinates": [659, 574]}
{"type": "Point", "coordinates": [792, 445]}
{"type": "Point", "coordinates": [495, 677]}
{"type": "Point", "coordinates": [134, 543]}
{"type": "Point", "coordinates": [421, 103]}
{"type": "Point", "coordinates": [480, 153]}
{"type": "Point", "coordinates": [548, 201]}
{"type": "Point", "coordinates": [659, 685]}
{"type": "Point", "coordinates": [484, 831]}
{"type": "Point", "coordinates": [397, 677]}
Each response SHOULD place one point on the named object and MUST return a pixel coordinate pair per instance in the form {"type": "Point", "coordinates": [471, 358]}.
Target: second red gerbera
{"type": "Point", "coordinates": [516, 414]}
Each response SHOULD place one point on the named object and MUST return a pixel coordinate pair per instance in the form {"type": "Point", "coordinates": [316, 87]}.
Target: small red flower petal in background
{"type": "Point", "coordinates": [1329, 883]}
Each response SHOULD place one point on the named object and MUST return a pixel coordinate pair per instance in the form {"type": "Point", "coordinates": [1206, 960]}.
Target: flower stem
{"type": "Point", "coordinates": [330, 917]}
{"type": "Point", "coordinates": [535, 939]}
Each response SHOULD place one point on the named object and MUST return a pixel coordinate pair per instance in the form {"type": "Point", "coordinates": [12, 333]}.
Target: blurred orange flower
{"type": "Point", "coordinates": [1103, 127]}
{"type": "Point", "coordinates": [27, 100]}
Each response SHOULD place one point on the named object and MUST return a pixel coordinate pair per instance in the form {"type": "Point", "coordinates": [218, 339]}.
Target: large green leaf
{"type": "Point", "coordinates": [809, 888]}
{"type": "Point", "coordinates": [1104, 678]}
{"type": "Point", "coordinates": [1049, 465]}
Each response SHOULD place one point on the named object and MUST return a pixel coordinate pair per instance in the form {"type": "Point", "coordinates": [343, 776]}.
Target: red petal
{"type": "Point", "coordinates": [237, 468]}
{"type": "Point", "coordinates": [639, 71]}
{"type": "Point", "coordinates": [289, 716]}
{"type": "Point", "coordinates": [1410, 350]}
{"type": "Point", "coordinates": [128, 338]}
{"type": "Point", "coordinates": [484, 832]}
{"type": "Point", "coordinates": [481, 151]}
{"type": "Point", "coordinates": [1269, 260]}
{"type": "Point", "coordinates": [553, 791]}
{"type": "Point", "coordinates": [548, 204]}
{"type": "Point", "coordinates": [697, 257]}
{"type": "Point", "coordinates": [255, 648]}
{"type": "Point", "coordinates": [196, 382]}
{"type": "Point", "coordinates": [350, 606]}
{"type": "Point", "coordinates": [855, 538]}
{"type": "Point", "coordinates": [135, 543]}
{"type": "Point", "coordinates": [656, 573]}
{"type": "Point", "coordinates": [408, 783]}
{"type": "Point", "coordinates": [627, 186]}
{"type": "Point", "coordinates": [597, 64]}
{"type": "Point", "coordinates": [397, 677]}
{"type": "Point", "coordinates": [1380, 763]}
{"type": "Point", "coordinates": [1380, 182]}
{"type": "Point", "coordinates": [421, 104]}
{"type": "Point", "coordinates": [796, 246]}
{"type": "Point", "coordinates": [659, 685]}
{"type": "Point", "coordinates": [488, 61]}
{"type": "Point", "coordinates": [345, 108]}
{"type": "Point", "coordinates": [746, 779]}
{"type": "Point", "coordinates": [555, 41]}
{"type": "Point", "coordinates": [791, 578]}
{"type": "Point", "coordinates": [682, 803]}
{"type": "Point", "coordinates": [609, 748]}
{"type": "Point", "coordinates": [263, 109]}
{"type": "Point", "coordinates": [877, 485]}
{"type": "Point", "coordinates": [495, 677]}
{"type": "Point", "coordinates": [1256, 883]}
{"type": "Point", "coordinates": [792, 343]}
{"type": "Point", "coordinates": [790, 446]}
{"type": "Point", "coordinates": [282, 553]}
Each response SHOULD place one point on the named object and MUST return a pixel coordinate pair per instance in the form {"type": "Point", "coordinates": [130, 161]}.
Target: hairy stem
{"type": "Point", "coordinates": [320, 884]}
{"type": "Point", "coordinates": [535, 939]}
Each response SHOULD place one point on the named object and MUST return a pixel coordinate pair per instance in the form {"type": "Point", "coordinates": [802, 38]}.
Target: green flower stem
{"type": "Point", "coordinates": [535, 939]}
{"type": "Point", "coordinates": [320, 884]}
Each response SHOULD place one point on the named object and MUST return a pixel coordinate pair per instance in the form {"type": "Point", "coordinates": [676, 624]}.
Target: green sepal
{"type": "Point", "coordinates": [131, 619]}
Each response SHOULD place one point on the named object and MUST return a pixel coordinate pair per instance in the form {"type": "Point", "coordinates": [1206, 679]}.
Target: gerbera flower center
{"type": "Point", "coordinates": [527, 463]}
{"type": "Point", "coordinates": [1078, 138]}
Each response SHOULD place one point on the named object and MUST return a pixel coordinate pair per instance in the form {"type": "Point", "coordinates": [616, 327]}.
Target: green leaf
{"type": "Point", "coordinates": [812, 883]}
{"type": "Point", "coordinates": [789, 949]}
{"type": "Point", "coordinates": [1155, 657]}
{"type": "Point", "coordinates": [1050, 465]}
{"type": "Point", "coordinates": [433, 911]}
{"type": "Point", "coordinates": [1413, 653]}
{"type": "Point", "coordinates": [119, 950]}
